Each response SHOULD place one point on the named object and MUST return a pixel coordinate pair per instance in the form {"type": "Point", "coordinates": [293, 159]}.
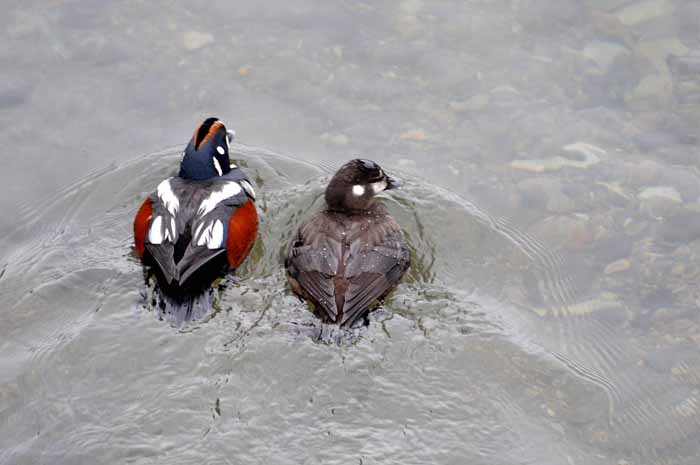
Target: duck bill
{"type": "Point", "coordinates": [393, 183]}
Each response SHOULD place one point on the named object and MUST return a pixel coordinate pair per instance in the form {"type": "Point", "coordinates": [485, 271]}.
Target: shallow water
{"type": "Point", "coordinates": [550, 157]}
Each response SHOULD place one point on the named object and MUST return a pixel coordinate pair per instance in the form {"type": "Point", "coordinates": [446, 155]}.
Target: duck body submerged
{"type": "Point", "coordinates": [352, 254]}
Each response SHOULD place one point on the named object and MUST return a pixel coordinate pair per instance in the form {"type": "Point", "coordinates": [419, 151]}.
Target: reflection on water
{"type": "Point", "coordinates": [552, 207]}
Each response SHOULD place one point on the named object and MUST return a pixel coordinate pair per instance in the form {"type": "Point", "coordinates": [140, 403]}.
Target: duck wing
{"type": "Point", "coordinates": [312, 260]}
{"type": "Point", "coordinates": [345, 266]}
{"type": "Point", "coordinates": [374, 266]}
{"type": "Point", "coordinates": [209, 228]}
{"type": "Point", "coordinates": [162, 230]}
{"type": "Point", "coordinates": [186, 235]}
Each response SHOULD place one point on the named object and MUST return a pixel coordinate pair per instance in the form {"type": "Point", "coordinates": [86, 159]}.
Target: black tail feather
{"type": "Point", "coordinates": [179, 304]}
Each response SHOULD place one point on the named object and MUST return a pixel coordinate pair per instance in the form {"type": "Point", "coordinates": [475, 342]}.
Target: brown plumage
{"type": "Point", "coordinates": [352, 254]}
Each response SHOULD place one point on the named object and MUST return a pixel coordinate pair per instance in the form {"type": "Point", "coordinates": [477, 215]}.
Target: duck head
{"type": "Point", "coordinates": [355, 184]}
{"type": "Point", "coordinates": [206, 156]}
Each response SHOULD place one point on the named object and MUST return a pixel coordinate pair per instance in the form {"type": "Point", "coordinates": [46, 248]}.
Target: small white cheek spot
{"type": "Point", "coordinates": [358, 190]}
{"type": "Point", "coordinates": [221, 150]}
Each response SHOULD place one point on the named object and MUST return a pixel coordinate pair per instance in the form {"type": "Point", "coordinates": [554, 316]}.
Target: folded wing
{"type": "Point", "coordinates": [190, 225]}
{"type": "Point", "coordinates": [344, 277]}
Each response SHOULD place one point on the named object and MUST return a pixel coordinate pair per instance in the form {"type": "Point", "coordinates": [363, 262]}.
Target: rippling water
{"type": "Point", "coordinates": [450, 370]}
{"type": "Point", "coordinates": [551, 202]}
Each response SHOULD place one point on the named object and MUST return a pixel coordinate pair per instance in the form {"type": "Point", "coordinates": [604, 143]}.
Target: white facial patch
{"type": "Point", "coordinates": [358, 190]}
{"type": "Point", "coordinates": [228, 190]}
{"type": "Point", "coordinates": [168, 197]}
{"type": "Point", "coordinates": [378, 186]}
{"type": "Point", "coordinates": [217, 166]}
{"type": "Point", "coordinates": [221, 150]}
{"type": "Point", "coordinates": [248, 188]}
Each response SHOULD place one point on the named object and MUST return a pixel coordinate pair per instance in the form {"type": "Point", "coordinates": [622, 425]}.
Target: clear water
{"type": "Point", "coordinates": [550, 153]}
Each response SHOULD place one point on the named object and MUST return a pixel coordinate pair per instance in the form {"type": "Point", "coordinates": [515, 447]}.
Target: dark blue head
{"type": "Point", "coordinates": [206, 156]}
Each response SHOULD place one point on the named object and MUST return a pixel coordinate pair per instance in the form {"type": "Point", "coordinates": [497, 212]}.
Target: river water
{"type": "Point", "coordinates": [549, 150]}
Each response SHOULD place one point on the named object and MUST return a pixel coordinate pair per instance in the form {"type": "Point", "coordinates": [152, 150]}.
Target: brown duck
{"type": "Point", "coordinates": [352, 254]}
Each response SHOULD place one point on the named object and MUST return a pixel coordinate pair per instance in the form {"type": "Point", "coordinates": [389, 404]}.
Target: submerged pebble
{"type": "Point", "coordinates": [618, 266]}
{"type": "Point", "coordinates": [578, 155]}
{"type": "Point", "coordinates": [661, 193]}
{"type": "Point", "coordinates": [194, 40]}
{"type": "Point", "coordinates": [640, 12]}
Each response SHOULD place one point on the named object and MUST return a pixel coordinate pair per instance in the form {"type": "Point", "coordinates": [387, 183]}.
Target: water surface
{"type": "Point", "coordinates": [550, 152]}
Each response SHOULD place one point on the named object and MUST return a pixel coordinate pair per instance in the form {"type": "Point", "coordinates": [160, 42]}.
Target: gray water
{"type": "Point", "coordinates": [552, 204]}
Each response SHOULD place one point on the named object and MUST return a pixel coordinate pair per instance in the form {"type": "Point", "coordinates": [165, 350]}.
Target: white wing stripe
{"type": "Point", "coordinates": [217, 236]}
{"type": "Point", "coordinates": [168, 197]}
{"type": "Point", "coordinates": [212, 235]}
{"type": "Point", "coordinates": [229, 189]}
{"type": "Point", "coordinates": [206, 235]}
{"type": "Point", "coordinates": [173, 229]}
{"type": "Point", "coordinates": [155, 235]}
{"type": "Point", "coordinates": [248, 188]}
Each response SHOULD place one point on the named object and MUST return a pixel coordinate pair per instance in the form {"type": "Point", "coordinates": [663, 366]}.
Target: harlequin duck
{"type": "Point", "coordinates": [200, 222]}
{"type": "Point", "coordinates": [352, 254]}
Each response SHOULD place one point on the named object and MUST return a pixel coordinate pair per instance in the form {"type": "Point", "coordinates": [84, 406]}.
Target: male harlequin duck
{"type": "Point", "coordinates": [201, 222]}
{"type": "Point", "coordinates": [352, 254]}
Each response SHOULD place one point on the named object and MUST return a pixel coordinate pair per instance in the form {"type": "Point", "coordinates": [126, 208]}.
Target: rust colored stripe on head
{"type": "Point", "coordinates": [206, 131]}
{"type": "Point", "coordinates": [143, 218]}
{"type": "Point", "coordinates": [242, 231]}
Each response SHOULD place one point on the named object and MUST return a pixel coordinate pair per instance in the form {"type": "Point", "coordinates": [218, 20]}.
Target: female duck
{"type": "Point", "coordinates": [352, 254]}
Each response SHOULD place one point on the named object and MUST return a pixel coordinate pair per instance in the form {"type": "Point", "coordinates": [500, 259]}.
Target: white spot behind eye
{"type": "Point", "coordinates": [217, 166]}
{"type": "Point", "coordinates": [378, 186]}
{"type": "Point", "coordinates": [358, 190]}
{"type": "Point", "coordinates": [221, 150]}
